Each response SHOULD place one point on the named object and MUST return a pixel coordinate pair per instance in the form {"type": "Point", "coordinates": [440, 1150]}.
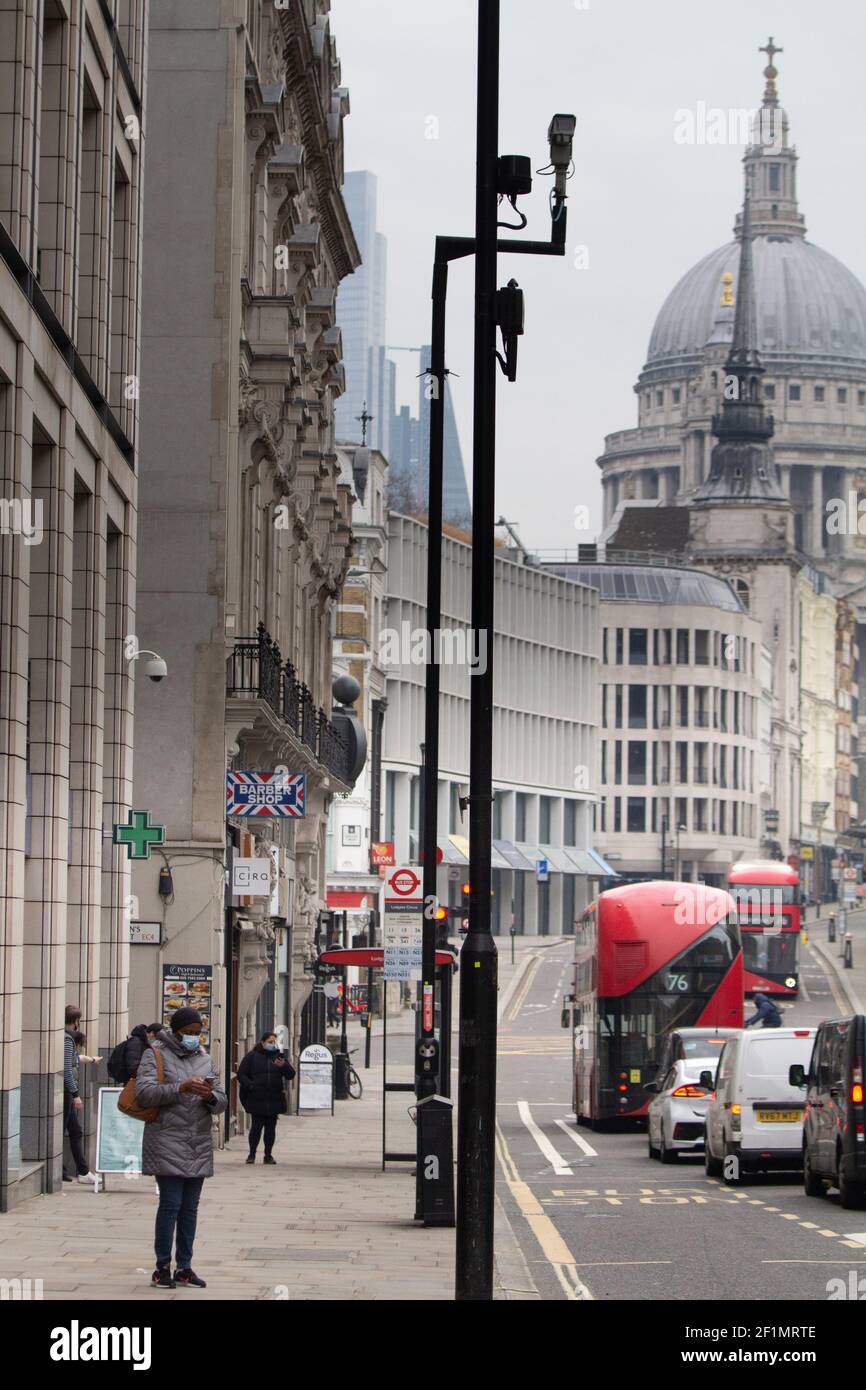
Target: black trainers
{"type": "Point", "coordinates": [269, 1159]}
{"type": "Point", "coordinates": [161, 1277]}
{"type": "Point", "coordinates": [187, 1278]}
{"type": "Point", "coordinates": [251, 1158]}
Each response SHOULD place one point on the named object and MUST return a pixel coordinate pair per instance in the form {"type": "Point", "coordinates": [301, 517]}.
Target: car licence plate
{"type": "Point", "coordinates": [778, 1117]}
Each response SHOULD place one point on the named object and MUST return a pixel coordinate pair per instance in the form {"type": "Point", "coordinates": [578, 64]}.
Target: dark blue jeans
{"type": "Point", "coordinates": [178, 1207]}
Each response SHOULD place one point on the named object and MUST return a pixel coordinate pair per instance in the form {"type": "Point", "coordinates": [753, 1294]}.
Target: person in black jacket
{"type": "Point", "coordinates": [140, 1038]}
{"type": "Point", "coordinates": [767, 1014]}
{"type": "Point", "coordinates": [262, 1077]}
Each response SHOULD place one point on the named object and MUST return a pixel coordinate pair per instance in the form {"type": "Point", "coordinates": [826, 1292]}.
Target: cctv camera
{"type": "Point", "coordinates": [156, 670]}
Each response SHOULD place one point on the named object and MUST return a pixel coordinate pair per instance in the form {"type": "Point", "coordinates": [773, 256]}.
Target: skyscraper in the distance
{"type": "Point", "coordinates": [456, 506]}
{"type": "Point", "coordinates": [370, 377]}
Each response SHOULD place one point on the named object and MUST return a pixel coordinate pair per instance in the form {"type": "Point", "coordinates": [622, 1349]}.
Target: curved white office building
{"type": "Point", "coordinates": [545, 746]}
{"type": "Point", "coordinates": [684, 720]}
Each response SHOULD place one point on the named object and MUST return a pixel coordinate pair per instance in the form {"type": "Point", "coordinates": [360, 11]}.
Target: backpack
{"type": "Point", "coordinates": [116, 1064]}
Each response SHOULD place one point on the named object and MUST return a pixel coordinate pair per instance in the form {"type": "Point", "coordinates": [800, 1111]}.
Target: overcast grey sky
{"type": "Point", "coordinates": [645, 207]}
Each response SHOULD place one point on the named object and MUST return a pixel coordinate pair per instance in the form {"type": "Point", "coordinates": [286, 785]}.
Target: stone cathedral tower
{"type": "Point", "coordinates": [741, 526]}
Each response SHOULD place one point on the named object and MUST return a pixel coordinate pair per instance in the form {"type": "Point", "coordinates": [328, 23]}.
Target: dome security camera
{"type": "Point", "coordinates": [156, 670]}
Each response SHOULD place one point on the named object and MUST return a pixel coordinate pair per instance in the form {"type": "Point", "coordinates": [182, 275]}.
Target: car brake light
{"type": "Point", "coordinates": [801, 1032]}
{"type": "Point", "coordinates": [690, 1091]}
{"type": "Point", "coordinates": [623, 1088]}
{"type": "Point", "coordinates": [857, 1093]}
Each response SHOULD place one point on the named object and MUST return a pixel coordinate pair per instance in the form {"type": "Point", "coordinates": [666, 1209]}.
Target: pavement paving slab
{"type": "Point", "coordinates": [325, 1224]}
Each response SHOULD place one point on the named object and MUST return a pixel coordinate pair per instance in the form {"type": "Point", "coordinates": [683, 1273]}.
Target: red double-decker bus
{"type": "Point", "coordinates": [767, 894]}
{"type": "Point", "coordinates": [649, 957]}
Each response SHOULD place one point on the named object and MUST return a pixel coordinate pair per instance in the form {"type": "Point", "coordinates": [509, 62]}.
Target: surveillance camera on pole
{"type": "Point", "coordinates": [560, 136]}
{"type": "Point", "coordinates": [155, 669]}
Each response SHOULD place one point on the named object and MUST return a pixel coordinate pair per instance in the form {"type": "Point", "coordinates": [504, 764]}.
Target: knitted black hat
{"type": "Point", "coordinates": [181, 1017]}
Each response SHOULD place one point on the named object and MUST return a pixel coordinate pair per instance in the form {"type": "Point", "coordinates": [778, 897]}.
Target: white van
{"type": "Point", "coordinates": [755, 1113]}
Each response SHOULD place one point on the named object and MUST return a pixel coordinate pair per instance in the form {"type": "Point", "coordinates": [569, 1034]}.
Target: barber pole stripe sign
{"type": "Point", "coordinates": [266, 794]}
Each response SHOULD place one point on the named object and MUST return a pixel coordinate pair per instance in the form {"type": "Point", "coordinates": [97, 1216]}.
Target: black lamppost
{"type": "Point", "coordinates": [495, 177]}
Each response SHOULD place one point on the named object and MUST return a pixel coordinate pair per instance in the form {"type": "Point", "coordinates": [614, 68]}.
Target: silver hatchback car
{"type": "Point", "coordinates": [677, 1113]}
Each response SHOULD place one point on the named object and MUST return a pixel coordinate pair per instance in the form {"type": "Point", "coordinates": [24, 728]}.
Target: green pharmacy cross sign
{"type": "Point", "coordinates": [138, 835]}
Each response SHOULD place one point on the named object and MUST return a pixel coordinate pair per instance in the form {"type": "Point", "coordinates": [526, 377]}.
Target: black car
{"type": "Point", "coordinates": [834, 1142]}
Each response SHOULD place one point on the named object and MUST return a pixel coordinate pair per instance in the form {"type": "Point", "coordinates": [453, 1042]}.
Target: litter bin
{"type": "Point", "coordinates": [435, 1175]}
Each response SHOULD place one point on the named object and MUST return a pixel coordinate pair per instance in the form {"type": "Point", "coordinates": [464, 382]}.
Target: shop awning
{"type": "Point", "coordinates": [558, 859]}
{"type": "Point", "coordinates": [460, 843]}
{"type": "Point", "coordinates": [453, 851]}
{"type": "Point", "coordinates": [512, 855]}
{"type": "Point", "coordinates": [582, 862]}
{"type": "Point", "coordinates": [606, 869]}
{"type": "Point", "coordinates": [339, 898]}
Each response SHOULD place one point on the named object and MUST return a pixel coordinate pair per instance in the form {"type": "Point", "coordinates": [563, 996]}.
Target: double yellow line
{"type": "Point", "coordinates": [553, 1247]}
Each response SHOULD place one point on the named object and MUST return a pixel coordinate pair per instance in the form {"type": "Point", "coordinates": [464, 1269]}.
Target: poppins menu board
{"type": "Point", "coordinates": [188, 987]}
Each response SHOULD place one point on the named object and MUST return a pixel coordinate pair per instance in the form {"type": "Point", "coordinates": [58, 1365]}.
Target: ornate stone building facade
{"type": "Point", "coordinates": [72, 141]}
{"type": "Point", "coordinates": [245, 520]}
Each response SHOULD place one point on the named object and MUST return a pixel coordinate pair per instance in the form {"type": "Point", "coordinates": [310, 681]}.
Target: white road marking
{"type": "Point", "coordinates": [859, 1236]}
{"type": "Point", "coordinates": [578, 1139]}
{"type": "Point", "coordinates": [560, 1167]}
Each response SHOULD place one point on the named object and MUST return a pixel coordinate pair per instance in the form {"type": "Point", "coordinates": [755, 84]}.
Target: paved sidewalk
{"type": "Point", "coordinates": [325, 1223]}
{"type": "Point", "coordinates": [853, 980]}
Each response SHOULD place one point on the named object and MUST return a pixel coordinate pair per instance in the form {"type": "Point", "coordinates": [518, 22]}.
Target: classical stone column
{"type": "Point", "coordinates": [45, 925]}
{"type": "Point", "coordinates": [817, 516]}
{"type": "Point", "coordinates": [118, 907]}
{"type": "Point", "coordinates": [85, 769]}
{"type": "Point", "coordinates": [15, 559]}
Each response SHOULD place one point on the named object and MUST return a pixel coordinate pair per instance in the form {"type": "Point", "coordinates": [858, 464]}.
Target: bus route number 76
{"type": "Point", "coordinates": [676, 983]}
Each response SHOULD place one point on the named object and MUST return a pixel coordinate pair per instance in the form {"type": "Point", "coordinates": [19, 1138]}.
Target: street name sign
{"type": "Point", "coordinates": [145, 933]}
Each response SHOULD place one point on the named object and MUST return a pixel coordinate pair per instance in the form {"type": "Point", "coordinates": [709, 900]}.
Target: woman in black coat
{"type": "Point", "coordinates": [262, 1077]}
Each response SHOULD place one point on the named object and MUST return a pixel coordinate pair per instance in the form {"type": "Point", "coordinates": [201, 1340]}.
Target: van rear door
{"type": "Point", "coordinates": [772, 1109]}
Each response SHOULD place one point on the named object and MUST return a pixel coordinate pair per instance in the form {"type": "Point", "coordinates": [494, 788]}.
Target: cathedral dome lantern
{"type": "Point", "coordinates": [811, 310]}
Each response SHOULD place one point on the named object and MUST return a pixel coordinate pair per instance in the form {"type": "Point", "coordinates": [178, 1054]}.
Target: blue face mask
{"type": "Point", "coordinates": [189, 1041]}
{"type": "Point", "coordinates": [270, 1047]}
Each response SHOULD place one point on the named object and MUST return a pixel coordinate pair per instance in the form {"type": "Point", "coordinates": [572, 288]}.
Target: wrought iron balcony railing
{"type": "Point", "coordinates": [256, 671]}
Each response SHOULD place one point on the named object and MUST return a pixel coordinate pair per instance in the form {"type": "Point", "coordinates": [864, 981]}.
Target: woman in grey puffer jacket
{"type": "Point", "coordinates": [178, 1144]}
